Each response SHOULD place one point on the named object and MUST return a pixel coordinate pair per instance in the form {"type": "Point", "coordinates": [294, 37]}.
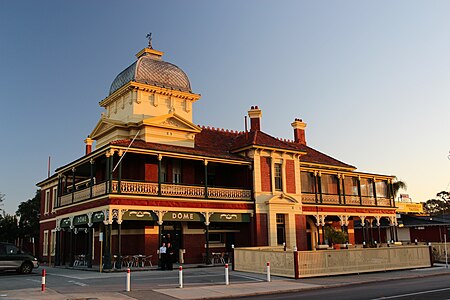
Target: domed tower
{"type": "Point", "coordinates": [151, 99]}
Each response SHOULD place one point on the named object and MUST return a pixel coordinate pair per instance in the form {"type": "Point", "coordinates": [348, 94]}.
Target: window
{"type": "Point", "coordinates": [11, 249]}
{"type": "Point", "coordinates": [278, 178]}
{"type": "Point", "coordinates": [307, 179]}
{"type": "Point", "coordinates": [45, 244]}
{"type": "Point", "coordinates": [381, 187]}
{"type": "Point", "coordinates": [329, 184]}
{"type": "Point", "coordinates": [281, 232]}
{"type": "Point", "coordinates": [215, 238]}
{"type": "Point", "coordinates": [47, 201]}
{"type": "Point", "coordinates": [54, 198]}
{"type": "Point", "coordinates": [351, 186]}
{"type": "Point", "coordinates": [211, 175]}
{"type": "Point", "coordinates": [163, 175]}
{"type": "Point", "coordinates": [176, 170]}
{"type": "Point", "coordinates": [53, 242]}
{"type": "Point", "coordinates": [366, 187]}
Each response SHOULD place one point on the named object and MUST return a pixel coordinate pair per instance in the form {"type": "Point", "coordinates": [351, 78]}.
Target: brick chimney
{"type": "Point", "coordinates": [255, 118]}
{"type": "Point", "coordinates": [299, 131]}
{"type": "Point", "coordinates": [88, 143]}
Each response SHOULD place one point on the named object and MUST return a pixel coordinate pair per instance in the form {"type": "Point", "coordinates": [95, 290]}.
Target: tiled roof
{"type": "Point", "coordinates": [209, 143]}
{"type": "Point", "coordinates": [316, 157]}
{"type": "Point", "coordinates": [259, 138]}
{"type": "Point", "coordinates": [222, 143]}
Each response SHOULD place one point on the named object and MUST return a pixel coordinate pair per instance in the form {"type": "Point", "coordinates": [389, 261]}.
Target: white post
{"type": "Point", "coordinates": [43, 281]}
{"type": "Point", "coordinates": [445, 248]}
{"type": "Point", "coordinates": [128, 281]}
{"type": "Point", "coordinates": [181, 276]}
{"type": "Point", "coordinates": [227, 279]}
{"type": "Point", "coordinates": [268, 271]}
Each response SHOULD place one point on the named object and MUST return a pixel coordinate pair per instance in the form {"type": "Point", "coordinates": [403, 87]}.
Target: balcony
{"type": "Point", "coordinates": [310, 198]}
{"type": "Point", "coordinates": [83, 193]}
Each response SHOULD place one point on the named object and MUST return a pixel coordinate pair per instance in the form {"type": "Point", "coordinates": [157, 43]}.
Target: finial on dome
{"type": "Point", "coordinates": [149, 37]}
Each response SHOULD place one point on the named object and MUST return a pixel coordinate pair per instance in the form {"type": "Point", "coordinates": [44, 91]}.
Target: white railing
{"type": "Point", "coordinates": [150, 188]}
{"type": "Point", "coordinates": [140, 188]}
{"type": "Point", "coordinates": [233, 194]}
{"type": "Point", "coordinates": [384, 202]}
{"type": "Point", "coordinates": [352, 200]}
{"type": "Point", "coordinates": [308, 198]}
{"type": "Point", "coordinates": [182, 190]}
{"type": "Point", "coordinates": [368, 201]}
{"type": "Point", "coordinates": [330, 199]}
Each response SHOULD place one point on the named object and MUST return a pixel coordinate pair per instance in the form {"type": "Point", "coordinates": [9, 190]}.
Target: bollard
{"type": "Point", "coordinates": [268, 271]}
{"type": "Point", "coordinates": [181, 276]}
{"type": "Point", "coordinates": [128, 281]}
{"type": "Point", "coordinates": [43, 281]}
{"type": "Point", "coordinates": [227, 279]}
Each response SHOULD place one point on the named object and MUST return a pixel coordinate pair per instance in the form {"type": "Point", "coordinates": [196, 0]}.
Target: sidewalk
{"type": "Point", "coordinates": [282, 286]}
{"type": "Point", "coordinates": [232, 290]}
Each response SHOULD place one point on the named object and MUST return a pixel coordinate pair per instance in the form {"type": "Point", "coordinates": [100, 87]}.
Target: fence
{"type": "Point", "coordinates": [303, 264]}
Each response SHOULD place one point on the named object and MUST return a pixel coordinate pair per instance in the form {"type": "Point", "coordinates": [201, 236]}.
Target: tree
{"type": "Point", "coordinates": [8, 228]}
{"type": "Point", "coordinates": [440, 205]}
{"type": "Point", "coordinates": [398, 185]}
{"type": "Point", "coordinates": [2, 198]}
{"type": "Point", "coordinates": [28, 212]}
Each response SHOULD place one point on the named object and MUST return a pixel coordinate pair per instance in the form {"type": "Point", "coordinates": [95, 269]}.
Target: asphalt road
{"type": "Point", "coordinates": [73, 281]}
{"type": "Point", "coordinates": [434, 287]}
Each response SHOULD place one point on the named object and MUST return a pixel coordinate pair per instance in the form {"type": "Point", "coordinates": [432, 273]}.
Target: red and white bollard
{"type": "Point", "coordinates": [227, 279]}
{"type": "Point", "coordinates": [43, 281]}
{"type": "Point", "coordinates": [180, 272]}
{"type": "Point", "coordinates": [128, 281]}
{"type": "Point", "coordinates": [268, 271]}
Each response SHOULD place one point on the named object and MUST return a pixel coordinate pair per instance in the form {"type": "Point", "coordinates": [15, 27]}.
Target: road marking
{"type": "Point", "coordinates": [412, 294]}
{"type": "Point", "coordinates": [34, 280]}
{"type": "Point", "coordinates": [77, 283]}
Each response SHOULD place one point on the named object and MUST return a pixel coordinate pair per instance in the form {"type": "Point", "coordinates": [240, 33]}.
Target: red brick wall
{"type": "Point", "coordinates": [45, 226]}
{"type": "Point", "coordinates": [266, 179]}
{"type": "Point", "coordinates": [300, 230]}
{"type": "Point", "coordinates": [188, 171]}
{"type": "Point", "coordinates": [195, 246]}
{"type": "Point", "coordinates": [151, 172]}
{"type": "Point", "coordinates": [261, 230]}
{"type": "Point", "coordinates": [351, 236]}
{"type": "Point", "coordinates": [290, 176]}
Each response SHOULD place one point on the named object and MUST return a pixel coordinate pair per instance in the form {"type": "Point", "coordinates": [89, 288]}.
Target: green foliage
{"type": "Point", "coordinates": [2, 198]}
{"type": "Point", "coordinates": [398, 185]}
{"type": "Point", "coordinates": [336, 236]}
{"type": "Point", "coordinates": [28, 212]}
{"type": "Point", "coordinates": [440, 205]}
{"type": "Point", "coordinates": [8, 228]}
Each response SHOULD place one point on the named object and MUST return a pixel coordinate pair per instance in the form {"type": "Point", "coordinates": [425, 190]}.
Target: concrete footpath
{"type": "Point", "coordinates": [234, 290]}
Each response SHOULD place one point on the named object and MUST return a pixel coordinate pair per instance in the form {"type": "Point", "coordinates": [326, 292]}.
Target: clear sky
{"type": "Point", "coordinates": [370, 78]}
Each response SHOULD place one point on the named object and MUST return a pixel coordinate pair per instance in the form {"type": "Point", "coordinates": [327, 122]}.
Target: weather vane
{"type": "Point", "coordinates": [149, 37]}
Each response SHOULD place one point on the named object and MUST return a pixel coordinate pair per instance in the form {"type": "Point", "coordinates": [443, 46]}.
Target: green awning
{"type": "Point", "coordinates": [183, 216]}
{"type": "Point", "coordinates": [136, 215]}
{"type": "Point", "coordinates": [224, 217]}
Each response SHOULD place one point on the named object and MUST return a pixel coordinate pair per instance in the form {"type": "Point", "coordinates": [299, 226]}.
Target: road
{"type": "Point", "coordinates": [72, 281]}
{"type": "Point", "coordinates": [434, 287]}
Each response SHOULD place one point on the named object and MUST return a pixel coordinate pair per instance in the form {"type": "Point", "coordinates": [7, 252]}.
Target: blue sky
{"type": "Point", "coordinates": [370, 78]}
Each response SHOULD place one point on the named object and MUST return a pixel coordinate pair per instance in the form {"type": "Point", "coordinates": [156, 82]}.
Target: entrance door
{"type": "Point", "coordinates": [172, 232]}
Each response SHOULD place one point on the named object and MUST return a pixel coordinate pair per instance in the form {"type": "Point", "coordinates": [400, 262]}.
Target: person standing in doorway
{"type": "Point", "coordinates": [163, 256]}
{"type": "Point", "coordinates": [169, 257]}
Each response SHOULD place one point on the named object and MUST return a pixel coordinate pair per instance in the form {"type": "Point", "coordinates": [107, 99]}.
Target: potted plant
{"type": "Point", "coordinates": [337, 237]}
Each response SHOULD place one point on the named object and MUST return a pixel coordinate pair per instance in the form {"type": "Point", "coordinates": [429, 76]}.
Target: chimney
{"type": "Point", "coordinates": [299, 131]}
{"type": "Point", "coordinates": [255, 118]}
{"type": "Point", "coordinates": [88, 143]}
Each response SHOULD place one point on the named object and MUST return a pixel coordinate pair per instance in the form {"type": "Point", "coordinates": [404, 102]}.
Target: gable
{"type": "Point", "coordinates": [103, 127]}
{"type": "Point", "coordinates": [172, 121]}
